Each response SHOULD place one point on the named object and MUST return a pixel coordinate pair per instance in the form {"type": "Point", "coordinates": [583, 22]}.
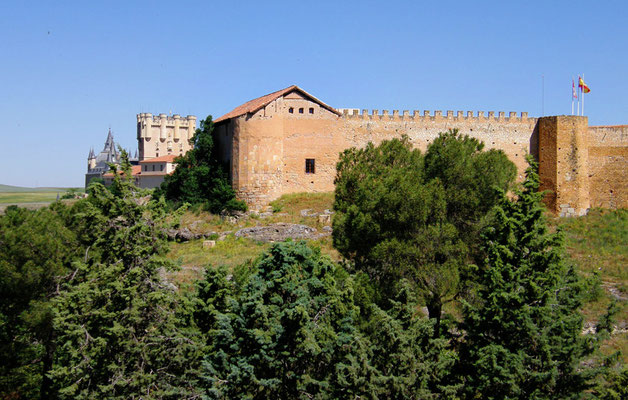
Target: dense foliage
{"type": "Point", "coordinates": [36, 253]}
{"type": "Point", "coordinates": [122, 330]}
{"type": "Point", "coordinates": [524, 339]}
{"type": "Point", "coordinates": [402, 214]}
{"type": "Point", "coordinates": [199, 178]}
{"type": "Point", "coordinates": [292, 329]}
{"type": "Point", "coordinates": [87, 309]}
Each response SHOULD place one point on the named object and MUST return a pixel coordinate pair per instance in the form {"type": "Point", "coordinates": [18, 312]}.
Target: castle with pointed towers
{"type": "Point", "coordinates": [160, 140]}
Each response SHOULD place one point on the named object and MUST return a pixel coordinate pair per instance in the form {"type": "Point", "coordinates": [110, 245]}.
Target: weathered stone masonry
{"type": "Point", "coordinates": [267, 141]}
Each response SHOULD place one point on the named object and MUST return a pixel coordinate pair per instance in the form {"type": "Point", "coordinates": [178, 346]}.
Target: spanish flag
{"type": "Point", "coordinates": [583, 86]}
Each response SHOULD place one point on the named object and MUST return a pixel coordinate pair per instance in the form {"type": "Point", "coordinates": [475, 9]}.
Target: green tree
{"type": "Point", "coordinates": [289, 332]}
{"type": "Point", "coordinates": [410, 363]}
{"type": "Point", "coordinates": [123, 330]}
{"type": "Point", "coordinates": [71, 193]}
{"type": "Point", "coordinates": [524, 341]}
{"type": "Point", "coordinates": [404, 215]}
{"type": "Point", "coordinates": [199, 178]}
{"type": "Point", "coordinates": [615, 386]}
{"type": "Point", "coordinates": [290, 327]}
{"type": "Point", "coordinates": [36, 252]}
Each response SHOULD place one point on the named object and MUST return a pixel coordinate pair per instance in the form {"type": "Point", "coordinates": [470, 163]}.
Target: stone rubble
{"type": "Point", "coordinates": [279, 232]}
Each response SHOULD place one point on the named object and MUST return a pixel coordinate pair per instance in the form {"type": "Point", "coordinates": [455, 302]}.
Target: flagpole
{"type": "Point", "coordinates": [573, 86]}
{"type": "Point", "coordinates": [578, 95]}
{"type": "Point", "coordinates": [583, 94]}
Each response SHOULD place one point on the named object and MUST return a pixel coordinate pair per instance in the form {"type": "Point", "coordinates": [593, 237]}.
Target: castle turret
{"type": "Point", "coordinates": [91, 159]}
{"type": "Point", "coordinates": [109, 144]}
{"type": "Point", "coordinates": [98, 164]}
{"type": "Point", "coordinates": [162, 134]}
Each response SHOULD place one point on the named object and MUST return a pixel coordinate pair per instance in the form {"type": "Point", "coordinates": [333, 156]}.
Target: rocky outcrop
{"type": "Point", "coordinates": [184, 234]}
{"type": "Point", "coordinates": [280, 232]}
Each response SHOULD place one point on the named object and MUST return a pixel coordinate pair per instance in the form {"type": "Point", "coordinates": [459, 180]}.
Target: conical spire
{"type": "Point", "coordinates": [109, 145]}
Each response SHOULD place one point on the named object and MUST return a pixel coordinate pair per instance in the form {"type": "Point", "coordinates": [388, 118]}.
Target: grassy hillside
{"type": "Point", "coordinates": [20, 189]}
{"type": "Point", "coordinates": [596, 244]}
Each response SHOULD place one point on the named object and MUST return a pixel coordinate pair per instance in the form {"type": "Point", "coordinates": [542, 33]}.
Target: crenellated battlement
{"type": "Point", "coordinates": [168, 119]}
{"type": "Point", "coordinates": [417, 115]}
{"type": "Point", "coordinates": [162, 134]}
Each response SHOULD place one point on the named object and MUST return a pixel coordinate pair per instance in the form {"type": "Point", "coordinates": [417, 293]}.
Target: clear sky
{"type": "Point", "coordinates": [72, 69]}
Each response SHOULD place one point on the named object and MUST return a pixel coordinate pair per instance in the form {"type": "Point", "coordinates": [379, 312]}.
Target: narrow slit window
{"type": "Point", "coordinates": [310, 166]}
{"type": "Point", "coordinates": [311, 110]}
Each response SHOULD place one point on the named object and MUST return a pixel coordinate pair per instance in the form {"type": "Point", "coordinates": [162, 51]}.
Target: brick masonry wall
{"type": "Point", "coordinates": [608, 166]}
{"type": "Point", "coordinates": [563, 163]}
{"type": "Point", "coordinates": [582, 166]}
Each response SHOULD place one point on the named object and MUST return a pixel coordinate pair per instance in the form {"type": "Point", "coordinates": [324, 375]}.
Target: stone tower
{"type": "Point", "coordinates": [563, 163]}
{"type": "Point", "coordinates": [163, 135]}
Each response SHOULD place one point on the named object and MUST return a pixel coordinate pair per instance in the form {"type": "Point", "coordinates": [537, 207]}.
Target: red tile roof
{"type": "Point", "coordinates": [260, 102]}
{"type": "Point", "coordinates": [135, 170]}
{"type": "Point", "coordinates": [169, 158]}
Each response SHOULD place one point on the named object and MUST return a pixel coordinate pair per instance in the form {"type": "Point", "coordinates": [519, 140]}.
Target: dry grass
{"type": "Point", "coordinates": [596, 243]}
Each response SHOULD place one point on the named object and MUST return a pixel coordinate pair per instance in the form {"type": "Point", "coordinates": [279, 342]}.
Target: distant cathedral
{"type": "Point", "coordinates": [160, 139]}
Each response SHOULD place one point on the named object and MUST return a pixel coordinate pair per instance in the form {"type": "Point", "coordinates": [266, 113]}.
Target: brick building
{"type": "Point", "coordinates": [289, 141]}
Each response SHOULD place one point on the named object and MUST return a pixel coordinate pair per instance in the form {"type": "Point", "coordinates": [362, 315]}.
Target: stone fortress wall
{"type": "Point", "coordinates": [608, 166]}
{"type": "Point", "coordinates": [162, 135]}
{"type": "Point", "coordinates": [266, 148]}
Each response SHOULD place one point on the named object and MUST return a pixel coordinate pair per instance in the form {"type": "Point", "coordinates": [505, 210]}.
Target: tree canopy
{"type": "Point", "coordinates": [122, 330]}
{"type": "Point", "coordinates": [199, 178]}
{"type": "Point", "coordinates": [524, 339]}
{"type": "Point", "coordinates": [290, 328]}
{"type": "Point", "coordinates": [36, 253]}
{"type": "Point", "coordinates": [402, 214]}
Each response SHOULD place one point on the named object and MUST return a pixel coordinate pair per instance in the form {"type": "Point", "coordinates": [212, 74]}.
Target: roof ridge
{"type": "Point", "coordinates": [257, 103]}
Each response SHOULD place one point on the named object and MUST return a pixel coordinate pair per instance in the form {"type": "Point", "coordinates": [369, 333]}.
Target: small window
{"type": "Point", "coordinates": [161, 167]}
{"type": "Point", "coordinates": [311, 110]}
{"type": "Point", "coordinates": [291, 110]}
{"type": "Point", "coordinates": [153, 167]}
{"type": "Point", "coordinates": [310, 166]}
{"type": "Point", "coordinates": [301, 110]}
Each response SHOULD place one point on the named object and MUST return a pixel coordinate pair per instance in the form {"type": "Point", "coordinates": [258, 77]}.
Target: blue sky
{"type": "Point", "coordinates": [70, 70]}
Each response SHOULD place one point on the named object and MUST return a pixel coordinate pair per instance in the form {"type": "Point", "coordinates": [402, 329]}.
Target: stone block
{"type": "Point", "coordinates": [208, 244]}
{"type": "Point", "coordinates": [324, 219]}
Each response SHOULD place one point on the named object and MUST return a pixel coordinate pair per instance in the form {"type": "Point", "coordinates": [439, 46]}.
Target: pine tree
{"type": "Point", "coordinates": [410, 363]}
{"type": "Point", "coordinates": [524, 340]}
{"type": "Point", "coordinates": [403, 215]}
{"type": "Point", "coordinates": [124, 332]}
{"type": "Point", "coordinates": [289, 334]}
{"type": "Point", "coordinates": [36, 252]}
